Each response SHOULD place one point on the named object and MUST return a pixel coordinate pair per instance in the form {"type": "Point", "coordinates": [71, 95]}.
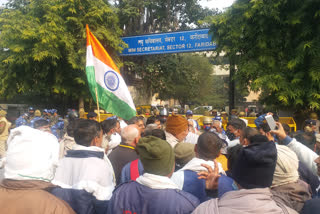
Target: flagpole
{"type": "Point", "coordinates": [98, 104]}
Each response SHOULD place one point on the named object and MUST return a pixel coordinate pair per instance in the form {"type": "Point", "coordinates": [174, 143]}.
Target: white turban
{"type": "Point", "coordinates": [32, 155]}
{"type": "Point", "coordinates": [287, 167]}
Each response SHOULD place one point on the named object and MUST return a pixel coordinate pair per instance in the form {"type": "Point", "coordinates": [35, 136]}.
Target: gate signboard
{"type": "Point", "coordinates": [173, 42]}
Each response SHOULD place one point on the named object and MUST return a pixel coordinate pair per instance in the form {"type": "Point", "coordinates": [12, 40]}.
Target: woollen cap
{"type": "Point", "coordinates": [255, 165]}
{"type": "Point", "coordinates": [184, 152]}
{"type": "Point", "coordinates": [156, 155]}
{"type": "Point", "coordinates": [176, 124]}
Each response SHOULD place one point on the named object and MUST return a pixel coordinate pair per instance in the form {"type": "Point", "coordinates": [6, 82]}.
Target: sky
{"type": "Point", "coordinates": [221, 4]}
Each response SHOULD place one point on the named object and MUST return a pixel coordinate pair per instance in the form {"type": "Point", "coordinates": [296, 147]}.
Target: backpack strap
{"type": "Point", "coordinates": [134, 170]}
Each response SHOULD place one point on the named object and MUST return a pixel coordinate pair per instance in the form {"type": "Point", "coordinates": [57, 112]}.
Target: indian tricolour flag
{"type": "Point", "coordinates": [106, 81]}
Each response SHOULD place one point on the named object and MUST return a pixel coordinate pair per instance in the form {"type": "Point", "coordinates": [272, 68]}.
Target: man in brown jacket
{"type": "Point", "coordinates": [29, 168]}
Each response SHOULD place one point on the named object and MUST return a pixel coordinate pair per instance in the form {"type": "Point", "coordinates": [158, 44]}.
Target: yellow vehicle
{"type": "Point", "coordinates": [147, 109]}
{"type": "Point", "coordinates": [102, 116]}
{"type": "Point", "coordinates": [287, 120]}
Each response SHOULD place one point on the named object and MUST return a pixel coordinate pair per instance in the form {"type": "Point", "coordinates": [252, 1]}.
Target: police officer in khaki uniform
{"type": "Point", "coordinates": [4, 132]}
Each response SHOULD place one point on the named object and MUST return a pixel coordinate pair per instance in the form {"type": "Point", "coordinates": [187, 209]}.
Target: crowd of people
{"type": "Point", "coordinates": [156, 164]}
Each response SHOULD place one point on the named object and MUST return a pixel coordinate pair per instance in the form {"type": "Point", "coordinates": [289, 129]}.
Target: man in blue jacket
{"type": "Point", "coordinates": [154, 191]}
{"type": "Point", "coordinates": [207, 150]}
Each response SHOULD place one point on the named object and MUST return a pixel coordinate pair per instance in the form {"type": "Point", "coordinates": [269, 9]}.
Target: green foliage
{"type": "Point", "coordinates": [277, 45]}
{"type": "Point", "coordinates": [43, 45]}
{"type": "Point", "coordinates": [184, 77]}
{"type": "Point", "coordinates": [149, 16]}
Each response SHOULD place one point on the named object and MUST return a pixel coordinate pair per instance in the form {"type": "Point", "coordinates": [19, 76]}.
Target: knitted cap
{"type": "Point", "coordinates": [184, 152]}
{"type": "Point", "coordinates": [156, 155]}
{"type": "Point", "coordinates": [255, 165]}
{"type": "Point", "coordinates": [287, 167]}
{"type": "Point", "coordinates": [176, 124]}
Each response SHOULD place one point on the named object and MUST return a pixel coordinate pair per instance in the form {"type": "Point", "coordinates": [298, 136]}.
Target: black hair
{"type": "Point", "coordinates": [209, 145]}
{"type": "Point", "coordinates": [275, 117]}
{"type": "Point", "coordinates": [152, 120]}
{"type": "Point", "coordinates": [265, 127]}
{"type": "Point", "coordinates": [237, 123]}
{"type": "Point", "coordinates": [286, 128]}
{"type": "Point", "coordinates": [71, 126]}
{"type": "Point", "coordinates": [233, 154]}
{"type": "Point", "coordinates": [249, 132]}
{"type": "Point", "coordinates": [134, 120]}
{"type": "Point", "coordinates": [85, 131]}
{"type": "Point", "coordinates": [107, 125]}
{"type": "Point", "coordinates": [307, 138]}
{"type": "Point", "coordinates": [40, 123]}
{"type": "Point", "coordinates": [159, 133]}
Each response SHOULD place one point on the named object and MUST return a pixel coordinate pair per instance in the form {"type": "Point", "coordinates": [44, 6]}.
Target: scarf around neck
{"type": "Point", "coordinates": [156, 181]}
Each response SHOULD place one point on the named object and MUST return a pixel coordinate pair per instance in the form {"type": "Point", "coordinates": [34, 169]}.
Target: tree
{"type": "Point", "coordinates": [184, 77]}
{"type": "Point", "coordinates": [43, 45]}
{"type": "Point", "coordinates": [150, 16]}
{"type": "Point", "coordinates": [165, 74]}
{"type": "Point", "coordinates": [276, 47]}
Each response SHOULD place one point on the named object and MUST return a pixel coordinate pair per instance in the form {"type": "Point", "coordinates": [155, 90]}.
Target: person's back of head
{"type": "Point", "coordinates": [152, 120]}
{"type": "Point", "coordinates": [149, 129]}
{"type": "Point", "coordinates": [40, 123]}
{"type": "Point", "coordinates": [275, 116]}
{"type": "Point", "coordinates": [71, 126]}
{"type": "Point", "coordinates": [85, 131]}
{"type": "Point", "coordinates": [208, 146]}
{"type": "Point", "coordinates": [156, 155]}
{"type": "Point", "coordinates": [31, 155]}
{"type": "Point", "coordinates": [265, 127]}
{"type": "Point", "coordinates": [92, 115]}
{"type": "Point", "coordinates": [306, 138]}
{"type": "Point", "coordinates": [152, 130]}
{"type": "Point", "coordinates": [30, 165]}
{"type": "Point", "coordinates": [286, 128]}
{"type": "Point", "coordinates": [134, 120]}
{"type": "Point", "coordinates": [159, 133]}
{"type": "Point", "coordinates": [130, 135]}
{"type": "Point", "coordinates": [108, 125]}
{"type": "Point", "coordinates": [247, 134]}
{"type": "Point", "coordinates": [237, 123]}
{"type": "Point", "coordinates": [184, 152]}
{"type": "Point", "coordinates": [255, 165]}
{"type": "Point", "coordinates": [286, 171]}
{"type": "Point", "coordinates": [233, 154]}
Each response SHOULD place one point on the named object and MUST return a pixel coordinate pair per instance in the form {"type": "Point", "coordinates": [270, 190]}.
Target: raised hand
{"type": "Point", "coordinates": [211, 176]}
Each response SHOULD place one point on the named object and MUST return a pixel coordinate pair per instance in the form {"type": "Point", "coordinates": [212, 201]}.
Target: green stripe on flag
{"type": "Point", "coordinates": [107, 100]}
